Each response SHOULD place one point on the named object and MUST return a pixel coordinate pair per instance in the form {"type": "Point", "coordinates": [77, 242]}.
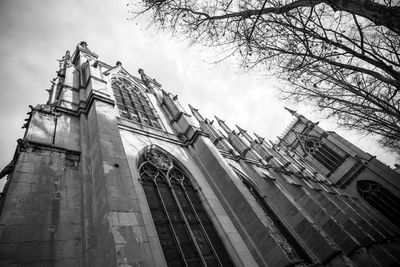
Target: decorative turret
{"type": "Point", "coordinates": [293, 112]}
{"type": "Point", "coordinates": [236, 141]}
{"type": "Point", "coordinates": [245, 135]}
{"type": "Point", "coordinates": [223, 125]}
{"type": "Point", "coordinates": [143, 76]}
{"type": "Point", "coordinates": [196, 114]}
{"type": "Point", "coordinates": [63, 63]}
{"type": "Point", "coordinates": [82, 47]}
{"type": "Point", "coordinates": [259, 138]}
{"type": "Point", "coordinates": [262, 148]}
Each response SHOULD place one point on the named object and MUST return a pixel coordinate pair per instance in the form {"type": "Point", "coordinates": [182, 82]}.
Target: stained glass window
{"type": "Point", "coordinates": [186, 233]}
{"type": "Point", "coordinates": [133, 104]}
{"type": "Point", "coordinates": [381, 199]}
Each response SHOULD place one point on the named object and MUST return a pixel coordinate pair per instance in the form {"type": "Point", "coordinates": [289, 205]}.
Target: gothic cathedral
{"type": "Point", "coordinates": [112, 171]}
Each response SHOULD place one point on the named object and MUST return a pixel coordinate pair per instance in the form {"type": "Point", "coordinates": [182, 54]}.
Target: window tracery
{"type": "Point", "coordinates": [322, 153]}
{"type": "Point", "coordinates": [133, 104]}
{"type": "Point", "coordinates": [381, 199]}
{"type": "Point", "coordinates": [186, 234]}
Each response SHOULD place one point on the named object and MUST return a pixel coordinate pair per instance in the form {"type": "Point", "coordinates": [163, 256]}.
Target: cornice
{"type": "Point", "coordinates": [84, 106]}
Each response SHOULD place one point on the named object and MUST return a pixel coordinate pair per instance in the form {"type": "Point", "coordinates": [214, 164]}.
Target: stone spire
{"type": "Point", "coordinates": [260, 139]}
{"type": "Point", "coordinates": [245, 134]}
{"type": "Point", "coordinates": [223, 125]}
{"type": "Point", "coordinates": [293, 112]}
{"type": "Point", "coordinates": [196, 113]}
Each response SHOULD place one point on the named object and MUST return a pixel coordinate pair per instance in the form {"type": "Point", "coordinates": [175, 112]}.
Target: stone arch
{"type": "Point", "coordinates": [185, 231]}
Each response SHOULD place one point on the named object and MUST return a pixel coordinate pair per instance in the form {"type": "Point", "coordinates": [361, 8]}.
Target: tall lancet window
{"type": "Point", "coordinates": [276, 229]}
{"type": "Point", "coordinates": [322, 153]}
{"type": "Point", "coordinates": [133, 104]}
{"type": "Point", "coordinates": [381, 199]}
{"type": "Point", "coordinates": [186, 234]}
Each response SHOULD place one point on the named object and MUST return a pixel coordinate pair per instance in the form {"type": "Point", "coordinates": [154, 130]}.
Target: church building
{"type": "Point", "coordinates": [113, 171]}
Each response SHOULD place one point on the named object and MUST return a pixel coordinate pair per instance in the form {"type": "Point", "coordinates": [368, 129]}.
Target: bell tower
{"type": "Point", "coordinates": [344, 164]}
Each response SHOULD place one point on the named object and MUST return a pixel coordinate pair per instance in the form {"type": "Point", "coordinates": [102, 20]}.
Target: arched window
{"type": "Point", "coordinates": [133, 104]}
{"type": "Point", "coordinates": [323, 154]}
{"type": "Point", "coordinates": [275, 227]}
{"type": "Point", "coordinates": [381, 199]}
{"type": "Point", "coordinates": [186, 234]}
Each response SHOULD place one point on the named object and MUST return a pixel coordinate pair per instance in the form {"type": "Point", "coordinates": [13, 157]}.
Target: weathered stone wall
{"type": "Point", "coordinates": [40, 223]}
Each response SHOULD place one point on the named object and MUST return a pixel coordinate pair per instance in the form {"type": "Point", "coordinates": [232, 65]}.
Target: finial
{"type": "Point", "coordinates": [196, 113]}
{"type": "Point", "coordinates": [192, 108]}
{"type": "Point", "coordinates": [260, 139]}
{"type": "Point", "coordinates": [223, 125]}
{"type": "Point", "coordinates": [218, 119]}
{"type": "Point", "coordinates": [245, 134]}
{"type": "Point", "coordinates": [83, 44]}
{"type": "Point", "coordinates": [143, 76]}
{"type": "Point", "coordinates": [240, 129]}
{"type": "Point", "coordinates": [118, 63]}
{"type": "Point", "coordinates": [293, 112]}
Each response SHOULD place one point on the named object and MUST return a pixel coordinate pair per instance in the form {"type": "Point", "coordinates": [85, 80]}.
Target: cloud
{"type": "Point", "coordinates": [35, 33]}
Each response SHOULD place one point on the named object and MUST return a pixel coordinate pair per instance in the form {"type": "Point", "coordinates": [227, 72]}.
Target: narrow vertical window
{"type": "Point", "coordinates": [381, 199]}
{"type": "Point", "coordinates": [133, 104]}
{"type": "Point", "coordinates": [276, 229]}
{"type": "Point", "coordinates": [186, 233]}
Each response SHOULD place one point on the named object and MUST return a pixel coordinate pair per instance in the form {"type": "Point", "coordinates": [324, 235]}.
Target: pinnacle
{"type": "Point", "coordinates": [240, 129]}
{"type": "Point", "coordinates": [83, 44]}
{"type": "Point", "coordinates": [261, 139]}
{"type": "Point", "coordinates": [164, 93]}
{"type": "Point", "coordinates": [196, 113]}
{"type": "Point", "coordinates": [218, 119]}
{"type": "Point", "coordinates": [272, 143]}
{"type": "Point", "coordinates": [293, 112]}
{"type": "Point", "coordinates": [192, 108]}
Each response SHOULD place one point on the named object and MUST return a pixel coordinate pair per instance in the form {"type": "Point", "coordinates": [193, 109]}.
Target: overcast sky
{"type": "Point", "coordinates": [35, 33]}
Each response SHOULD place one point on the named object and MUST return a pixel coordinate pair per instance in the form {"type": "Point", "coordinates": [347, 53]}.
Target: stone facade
{"type": "Point", "coordinates": [95, 182]}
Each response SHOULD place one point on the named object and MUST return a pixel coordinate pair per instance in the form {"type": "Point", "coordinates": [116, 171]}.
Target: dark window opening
{"type": "Point", "coordinates": [277, 230]}
{"type": "Point", "coordinates": [381, 199]}
{"type": "Point", "coordinates": [186, 233]}
{"type": "Point", "coordinates": [133, 104]}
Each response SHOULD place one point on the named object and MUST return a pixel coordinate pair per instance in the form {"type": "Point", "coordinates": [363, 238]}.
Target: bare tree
{"type": "Point", "coordinates": [341, 55]}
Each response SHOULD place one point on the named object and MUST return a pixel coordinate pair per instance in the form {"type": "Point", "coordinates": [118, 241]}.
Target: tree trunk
{"type": "Point", "coordinates": [375, 12]}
